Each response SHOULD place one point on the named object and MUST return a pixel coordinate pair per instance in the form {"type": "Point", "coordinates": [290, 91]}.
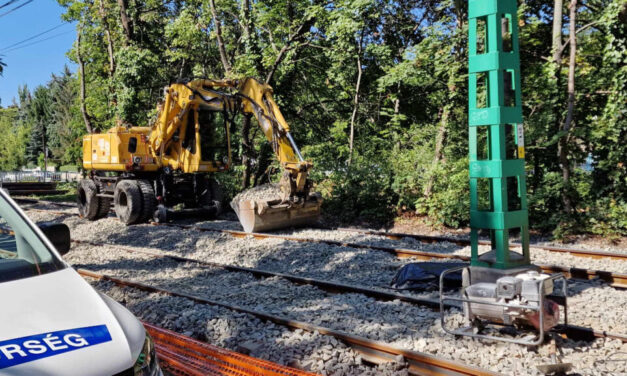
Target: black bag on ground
{"type": "Point", "coordinates": [426, 276]}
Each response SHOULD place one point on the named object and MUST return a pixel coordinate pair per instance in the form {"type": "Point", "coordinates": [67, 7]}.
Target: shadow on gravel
{"type": "Point", "coordinates": [369, 317]}
{"type": "Point", "coordinates": [218, 326]}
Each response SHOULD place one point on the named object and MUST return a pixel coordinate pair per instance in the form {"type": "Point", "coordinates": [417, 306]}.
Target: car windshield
{"type": "Point", "coordinates": [22, 252]}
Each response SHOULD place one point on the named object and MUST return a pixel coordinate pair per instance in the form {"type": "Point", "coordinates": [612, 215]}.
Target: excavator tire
{"type": "Point", "coordinates": [127, 200]}
{"type": "Point", "coordinates": [87, 199]}
{"type": "Point", "coordinates": [104, 204]}
{"type": "Point", "coordinates": [149, 203]}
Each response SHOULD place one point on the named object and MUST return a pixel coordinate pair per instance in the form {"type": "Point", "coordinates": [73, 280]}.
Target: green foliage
{"type": "Point", "coordinates": [68, 168]}
{"type": "Point", "coordinates": [360, 192]}
{"type": "Point", "coordinates": [135, 71]}
{"type": "Point", "coordinates": [449, 204]}
{"type": "Point", "coordinates": [13, 139]}
{"type": "Point", "coordinates": [230, 182]}
{"type": "Point", "coordinates": [412, 99]}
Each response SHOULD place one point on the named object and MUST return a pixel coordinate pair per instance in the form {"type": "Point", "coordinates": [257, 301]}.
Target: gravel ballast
{"type": "Point", "coordinates": [362, 267]}
{"type": "Point", "coordinates": [247, 334]}
{"type": "Point", "coordinates": [403, 325]}
{"type": "Point", "coordinates": [264, 192]}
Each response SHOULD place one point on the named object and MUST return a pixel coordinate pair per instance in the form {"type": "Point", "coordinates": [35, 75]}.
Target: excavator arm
{"type": "Point", "coordinates": [249, 96]}
{"type": "Point", "coordinates": [257, 100]}
{"type": "Point", "coordinates": [297, 206]}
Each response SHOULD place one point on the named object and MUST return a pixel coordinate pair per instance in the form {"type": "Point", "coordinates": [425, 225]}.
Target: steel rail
{"type": "Point", "coordinates": [329, 286]}
{"type": "Point", "coordinates": [373, 351]}
{"type": "Point", "coordinates": [33, 201]}
{"type": "Point", "coordinates": [569, 331]}
{"type": "Point", "coordinates": [613, 279]}
{"type": "Point", "coordinates": [618, 280]}
{"type": "Point", "coordinates": [464, 242]}
{"type": "Point", "coordinates": [423, 238]}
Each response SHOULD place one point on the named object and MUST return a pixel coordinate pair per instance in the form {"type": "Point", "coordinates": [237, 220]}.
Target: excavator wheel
{"type": "Point", "coordinates": [88, 201]}
{"type": "Point", "coordinates": [149, 203]}
{"type": "Point", "coordinates": [127, 200]}
{"type": "Point", "coordinates": [104, 204]}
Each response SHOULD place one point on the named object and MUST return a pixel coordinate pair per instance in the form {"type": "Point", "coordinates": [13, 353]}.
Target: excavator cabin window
{"type": "Point", "coordinates": [212, 129]}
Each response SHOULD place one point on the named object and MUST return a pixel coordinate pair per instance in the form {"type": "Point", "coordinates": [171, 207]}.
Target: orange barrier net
{"type": "Point", "coordinates": [182, 355]}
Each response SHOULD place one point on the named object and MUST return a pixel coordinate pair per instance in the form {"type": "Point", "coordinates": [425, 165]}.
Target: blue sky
{"type": "Point", "coordinates": [32, 64]}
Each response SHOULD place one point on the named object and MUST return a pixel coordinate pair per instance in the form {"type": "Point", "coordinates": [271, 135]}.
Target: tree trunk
{"type": "Point", "coordinates": [437, 156]}
{"type": "Point", "coordinates": [247, 151]}
{"type": "Point", "coordinates": [302, 29]}
{"type": "Point", "coordinates": [563, 142]}
{"type": "Point", "coordinates": [223, 56]}
{"type": "Point", "coordinates": [557, 31]}
{"type": "Point", "coordinates": [81, 69]}
{"type": "Point", "coordinates": [356, 99]}
{"type": "Point", "coordinates": [105, 23]}
{"type": "Point", "coordinates": [127, 24]}
{"type": "Point", "coordinates": [397, 101]}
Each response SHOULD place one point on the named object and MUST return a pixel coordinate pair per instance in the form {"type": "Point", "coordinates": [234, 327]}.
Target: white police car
{"type": "Point", "coordinates": [52, 322]}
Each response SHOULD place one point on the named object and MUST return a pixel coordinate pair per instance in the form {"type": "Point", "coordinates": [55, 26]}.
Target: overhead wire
{"type": "Point", "coordinates": [16, 8]}
{"type": "Point", "coordinates": [8, 3]}
{"type": "Point", "coordinates": [37, 41]}
{"type": "Point", "coordinates": [33, 37]}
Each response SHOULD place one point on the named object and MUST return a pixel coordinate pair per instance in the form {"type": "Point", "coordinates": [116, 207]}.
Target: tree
{"type": "Point", "coordinates": [375, 91]}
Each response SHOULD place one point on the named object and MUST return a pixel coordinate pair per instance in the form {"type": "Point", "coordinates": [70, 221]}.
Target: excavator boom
{"type": "Point", "coordinates": [296, 206]}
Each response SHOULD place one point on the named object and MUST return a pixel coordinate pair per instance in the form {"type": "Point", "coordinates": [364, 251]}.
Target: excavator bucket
{"type": "Point", "coordinates": [260, 215]}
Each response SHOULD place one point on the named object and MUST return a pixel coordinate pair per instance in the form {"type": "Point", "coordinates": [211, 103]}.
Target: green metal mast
{"type": "Point", "coordinates": [498, 188]}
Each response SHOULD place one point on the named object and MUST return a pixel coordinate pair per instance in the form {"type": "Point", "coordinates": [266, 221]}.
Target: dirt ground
{"type": "Point", "coordinates": [420, 225]}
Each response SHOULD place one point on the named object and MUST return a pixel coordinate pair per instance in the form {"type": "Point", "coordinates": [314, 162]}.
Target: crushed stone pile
{"type": "Point", "coordinates": [263, 192]}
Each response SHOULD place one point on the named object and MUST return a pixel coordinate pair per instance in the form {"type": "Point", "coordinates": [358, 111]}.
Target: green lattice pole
{"type": "Point", "coordinates": [496, 136]}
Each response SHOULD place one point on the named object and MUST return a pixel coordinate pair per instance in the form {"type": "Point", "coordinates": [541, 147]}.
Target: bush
{"type": "Point", "coordinates": [230, 182]}
{"type": "Point", "coordinates": [68, 168]}
{"type": "Point", "coordinates": [360, 192]}
{"type": "Point", "coordinates": [449, 203]}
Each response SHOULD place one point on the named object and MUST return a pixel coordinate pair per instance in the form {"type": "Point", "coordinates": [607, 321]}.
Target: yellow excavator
{"type": "Point", "coordinates": [146, 171]}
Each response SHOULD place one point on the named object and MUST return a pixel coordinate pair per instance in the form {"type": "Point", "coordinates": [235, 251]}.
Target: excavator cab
{"type": "Point", "coordinates": [207, 136]}
{"type": "Point", "coordinates": [214, 136]}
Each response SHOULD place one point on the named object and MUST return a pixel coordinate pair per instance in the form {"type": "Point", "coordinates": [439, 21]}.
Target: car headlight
{"type": "Point", "coordinates": [146, 363]}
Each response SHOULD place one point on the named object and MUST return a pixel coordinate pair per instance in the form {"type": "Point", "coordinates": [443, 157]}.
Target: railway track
{"type": "Point", "coordinates": [576, 333]}
{"type": "Point", "coordinates": [184, 356]}
{"type": "Point", "coordinates": [33, 201]}
{"type": "Point", "coordinates": [421, 238]}
{"type": "Point", "coordinates": [569, 331]}
{"type": "Point", "coordinates": [373, 351]}
{"type": "Point", "coordinates": [613, 279]}
{"type": "Point", "coordinates": [466, 242]}
{"type": "Point", "coordinates": [31, 188]}
{"type": "Point", "coordinates": [618, 280]}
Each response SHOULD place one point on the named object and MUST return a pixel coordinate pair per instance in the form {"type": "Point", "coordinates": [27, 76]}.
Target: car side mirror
{"type": "Point", "coordinates": [59, 236]}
